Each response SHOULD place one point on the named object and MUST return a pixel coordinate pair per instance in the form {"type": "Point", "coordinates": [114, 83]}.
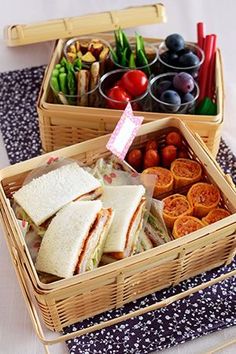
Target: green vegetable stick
{"type": "Point", "coordinates": [58, 66]}
{"type": "Point", "coordinates": [63, 62]}
{"type": "Point", "coordinates": [126, 44]}
{"type": "Point", "coordinates": [124, 58]}
{"type": "Point", "coordinates": [142, 46]}
{"type": "Point", "coordinates": [63, 83]}
{"type": "Point", "coordinates": [55, 72]}
{"type": "Point", "coordinates": [55, 84]}
{"type": "Point", "coordinates": [120, 38]}
{"type": "Point", "coordinates": [71, 80]}
{"type": "Point", "coordinates": [142, 61]}
{"type": "Point", "coordinates": [132, 61]}
{"type": "Point", "coordinates": [114, 56]}
{"type": "Point", "coordinates": [62, 70]}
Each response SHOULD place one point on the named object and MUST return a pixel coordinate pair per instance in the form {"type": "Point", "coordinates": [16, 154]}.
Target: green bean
{"type": "Point", "coordinates": [124, 58]}
{"type": "Point", "coordinates": [55, 84]}
{"type": "Point", "coordinates": [55, 72]}
{"type": "Point", "coordinates": [141, 60]}
{"type": "Point", "coordinates": [132, 61]}
{"type": "Point", "coordinates": [63, 83]}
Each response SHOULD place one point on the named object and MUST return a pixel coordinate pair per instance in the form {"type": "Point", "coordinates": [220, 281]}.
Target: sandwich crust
{"type": "Point", "coordinates": [45, 195]}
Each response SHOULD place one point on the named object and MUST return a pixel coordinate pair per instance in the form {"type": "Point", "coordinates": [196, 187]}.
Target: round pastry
{"type": "Point", "coordinates": [204, 197]}
{"type": "Point", "coordinates": [186, 224]}
{"type": "Point", "coordinates": [164, 181]}
{"type": "Point", "coordinates": [215, 215]}
{"type": "Point", "coordinates": [174, 206]}
{"type": "Point", "coordinates": [185, 171]}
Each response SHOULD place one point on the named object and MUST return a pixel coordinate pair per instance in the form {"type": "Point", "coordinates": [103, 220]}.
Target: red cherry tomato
{"type": "Point", "coordinates": [174, 138]}
{"type": "Point", "coordinates": [151, 144]}
{"type": "Point", "coordinates": [135, 158]}
{"type": "Point", "coordinates": [151, 159]}
{"type": "Point", "coordinates": [135, 82]}
{"type": "Point", "coordinates": [168, 154]}
{"type": "Point", "coordinates": [118, 94]}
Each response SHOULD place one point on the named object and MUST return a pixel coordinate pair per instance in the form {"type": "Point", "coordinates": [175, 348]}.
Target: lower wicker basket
{"type": "Point", "coordinates": [64, 125]}
{"type": "Point", "coordinates": [68, 301]}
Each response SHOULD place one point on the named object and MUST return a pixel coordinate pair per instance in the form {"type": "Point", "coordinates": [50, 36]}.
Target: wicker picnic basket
{"type": "Point", "coordinates": [64, 125]}
{"type": "Point", "coordinates": [67, 301]}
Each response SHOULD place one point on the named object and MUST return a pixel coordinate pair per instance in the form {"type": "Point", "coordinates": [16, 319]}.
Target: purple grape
{"type": "Point", "coordinates": [183, 82]}
{"type": "Point", "coordinates": [188, 59]}
{"type": "Point", "coordinates": [174, 42]}
{"type": "Point", "coordinates": [172, 98]}
{"type": "Point", "coordinates": [162, 86]}
{"type": "Point", "coordinates": [188, 97]}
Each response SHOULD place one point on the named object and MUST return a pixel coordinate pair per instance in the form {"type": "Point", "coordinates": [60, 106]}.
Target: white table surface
{"type": "Point", "coordinates": [16, 333]}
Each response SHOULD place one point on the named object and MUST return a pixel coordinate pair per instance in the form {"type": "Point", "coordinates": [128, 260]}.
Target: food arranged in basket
{"type": "Point", "coordinates": [89, 217]}
{"type": "Point", "coordinates": [89, 62]}
{"type": "Point", "coordinates": [190, 201]}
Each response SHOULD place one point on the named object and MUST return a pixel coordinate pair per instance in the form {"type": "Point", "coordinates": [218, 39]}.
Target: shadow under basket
{"type": "Point", "coordinates": [68, 301]}
{"type": "Point", "coordinates": [64, 125]}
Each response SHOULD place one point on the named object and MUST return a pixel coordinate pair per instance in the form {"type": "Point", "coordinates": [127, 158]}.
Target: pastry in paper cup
{"type": "Point", "coordinates": [164, 181]}
{"type": "Point", "coordinates": [185, 171]}
{"type": "Point", "coordinates": [186, 224]}
{"type": "Point", "coordinates": [174, 206]}
{"type": "Point", "coordinates": [215, 215]}
{"type": "Point", "coordinates": [204, 197]}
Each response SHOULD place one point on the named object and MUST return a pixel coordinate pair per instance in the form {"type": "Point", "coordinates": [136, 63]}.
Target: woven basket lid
{"type": "Point", "coordinates": [16, 35]}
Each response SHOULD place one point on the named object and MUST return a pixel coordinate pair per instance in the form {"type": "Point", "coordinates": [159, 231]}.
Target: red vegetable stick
{"type": "Point", "coordinates": [211, 81]}
{"type": "Point", "coordinates": [208, 47]}
{"type": "Point", "coordinates": [200, 34]}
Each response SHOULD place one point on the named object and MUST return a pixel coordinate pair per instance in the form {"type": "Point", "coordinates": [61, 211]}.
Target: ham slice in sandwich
{"type": "Point", "coordinates": [74, 240]}
{"type": "Point", "coordinates": [128, 204]}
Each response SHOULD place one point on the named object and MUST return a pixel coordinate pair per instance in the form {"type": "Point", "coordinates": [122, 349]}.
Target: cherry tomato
{"type": "Point", "coordinates": [174, 138]}
{"type": "Point", "coordinates": [135, 82]}
{"type": "Point", "coordinates": [135, 158]}
{"type": "Point", "coordinates": [182, 153]}
{"type": "Point", "coordinates": [151, 158]}
{"type": "Point", "coordinates": [120, 96]}
{"type": "Point", "coordinates": [168, 154]}
{"type": "Point", "coordinates": [151, 144]}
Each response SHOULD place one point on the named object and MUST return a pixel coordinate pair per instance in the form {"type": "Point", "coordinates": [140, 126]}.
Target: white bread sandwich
{"type": "Point", "coordinates": [74, 240]}
{"type": "Point", "coordinates": [128, 204]}
{"type": "Point", "coordinates": [143, 244]}
{"type": "Point", "coordinates": [41, 198]}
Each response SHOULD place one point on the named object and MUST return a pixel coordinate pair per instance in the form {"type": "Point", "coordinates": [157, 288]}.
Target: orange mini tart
{"type": "Point", "coordinates": [185, 171]}
{"type": "Point", "coordinates": [164, 181]}
{"type": "Point", "coordinates": [204, 197]}
{"type": "Point", "coordinates": [174, 206]}
{"type": "Point", "coordinates": [215, 215]}
{"type": "Point", "coordinates": [186, 224]}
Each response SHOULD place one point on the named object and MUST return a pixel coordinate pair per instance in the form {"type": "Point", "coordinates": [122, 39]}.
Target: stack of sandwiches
{"type": "Point", "coordinates": [77, 228]}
